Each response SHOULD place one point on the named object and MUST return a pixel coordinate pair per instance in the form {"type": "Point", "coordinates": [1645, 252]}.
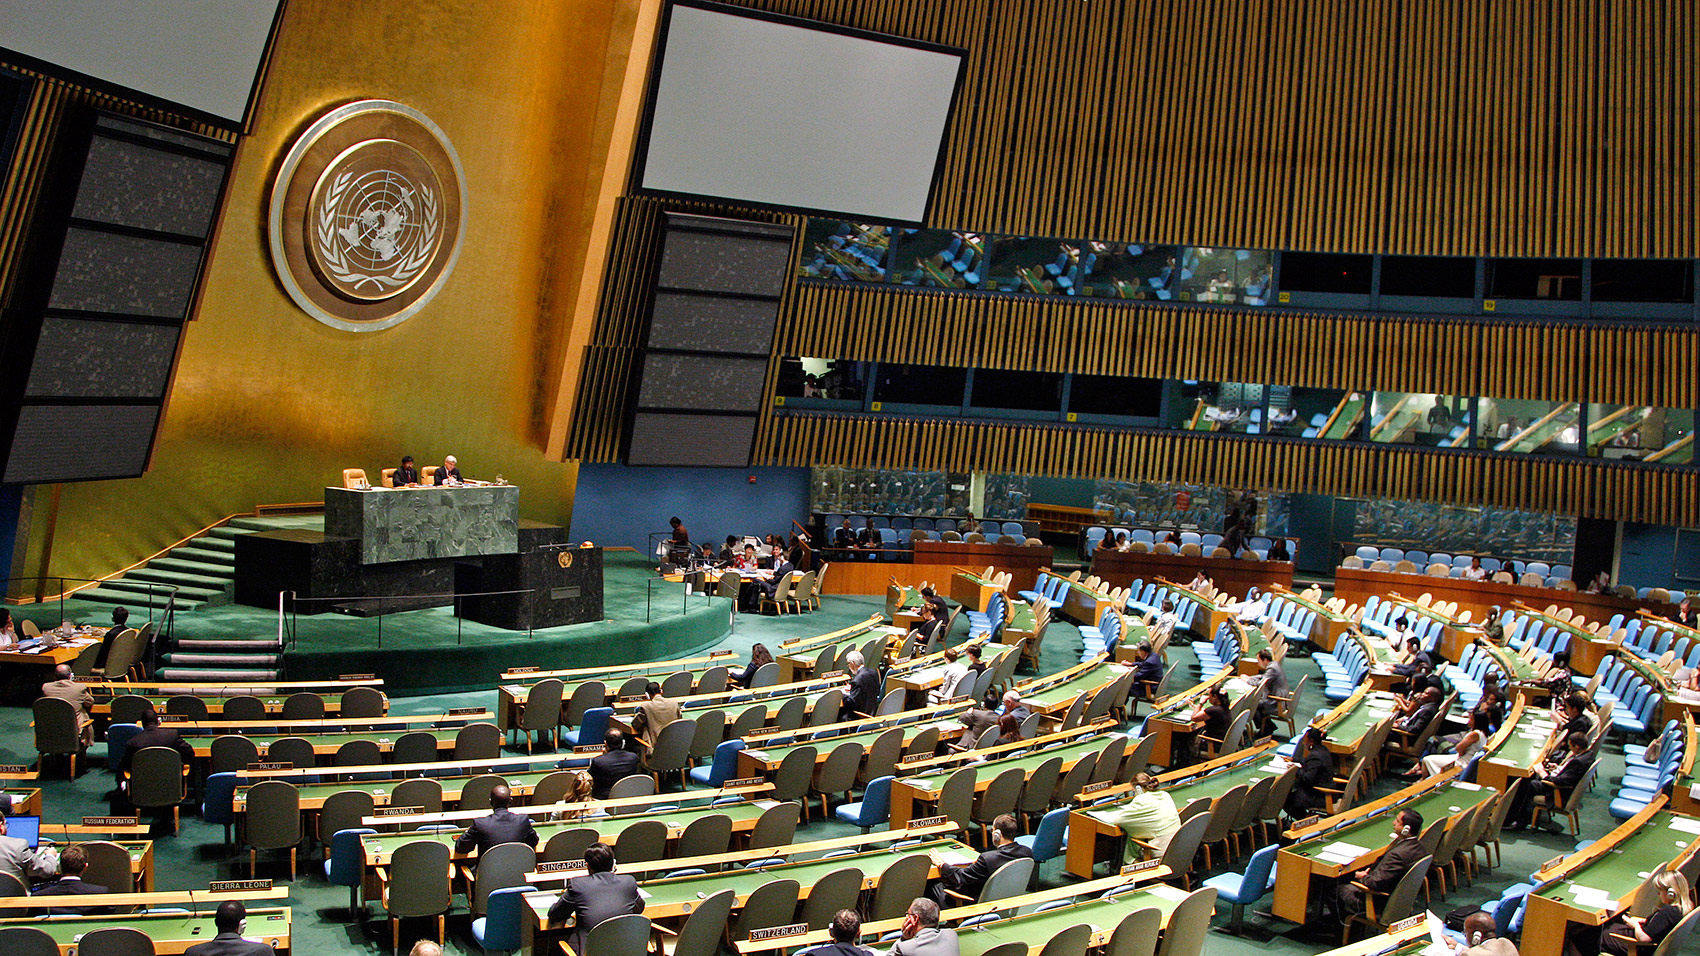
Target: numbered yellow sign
{"type": "Point", "coordinates": [1488, 305]}
{"type": "Point", "coordinates": [1283, 297]}
{"type": "Point", "coordinates": [875, 406]}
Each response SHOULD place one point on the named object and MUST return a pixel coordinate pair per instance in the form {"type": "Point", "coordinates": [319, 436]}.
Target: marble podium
{"type": "Point", "coordinates": [415, 524]}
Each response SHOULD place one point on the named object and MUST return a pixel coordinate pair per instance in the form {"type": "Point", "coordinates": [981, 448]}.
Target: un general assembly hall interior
{"type": "Point", "coordinates": [766, 477]}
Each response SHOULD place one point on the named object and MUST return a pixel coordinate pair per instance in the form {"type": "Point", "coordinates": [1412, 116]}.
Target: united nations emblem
{"type": "Point", "coordinates": [365, 220]}
{"type": "Point", "coordinates": [564, 559]}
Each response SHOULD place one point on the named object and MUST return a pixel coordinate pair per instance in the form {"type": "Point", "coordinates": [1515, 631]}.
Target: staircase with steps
{"type": "Point", "coordinates": [203, 569]}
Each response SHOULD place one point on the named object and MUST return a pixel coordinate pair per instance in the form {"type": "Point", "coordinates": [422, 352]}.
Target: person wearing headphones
{"type": "Point", "coordinates": [231, 921]}
{"type": "Point", "coordinates": [1148, 816]}
{"type": "Point", "coordinates": [1481, 938]}
{"type": "Point", "coordinates": [1675, 901]}
{"type": "Point", "coordinates": [1404, 849]}
{"type": "Point", "coordinates": [1316, 770]}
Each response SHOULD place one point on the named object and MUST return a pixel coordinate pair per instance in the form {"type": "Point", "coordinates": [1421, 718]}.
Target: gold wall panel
{"type": "Point", "coordinates": [1628, 492]}
{"type": "Point", "coordinates": [1466, 127]}
{"type": "Point", "coordinates": [268, 404]}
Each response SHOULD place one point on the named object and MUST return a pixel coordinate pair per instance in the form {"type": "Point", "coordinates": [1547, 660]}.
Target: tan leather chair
{"type": "Point", "coordinates": [389, 478]}
{"type": "Point", "coordinates": [428, 474]}
{"type": "Point", "coordinates": [352, 477]}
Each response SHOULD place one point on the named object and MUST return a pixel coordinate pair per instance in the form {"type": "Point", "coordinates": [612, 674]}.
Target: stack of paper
{"type": "Point", "coordinates": [1588, 897]}
{"type": "Point", "coordinates": [1341, 852]}
{"type": "Point", "coordinates": [1685, 825]}
{"type": "Point", "coordinates": [1173, 894]}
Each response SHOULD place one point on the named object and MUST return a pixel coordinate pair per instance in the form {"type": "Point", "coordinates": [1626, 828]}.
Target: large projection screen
{"type": "Point", "coordinates": [204, 55]}
{"type": "Point", "coordinates": [791, 114]}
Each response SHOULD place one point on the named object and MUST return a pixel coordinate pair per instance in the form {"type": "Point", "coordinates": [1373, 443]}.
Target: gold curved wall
{"type": "Point", "coordinates": [269, 405]}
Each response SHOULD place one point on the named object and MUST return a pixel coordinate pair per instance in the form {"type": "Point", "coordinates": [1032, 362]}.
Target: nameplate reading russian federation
{"type": "Point", "coordinates": [634, 699]}
{"type": "Point", "coordinates": [743, 782]}
{"type": "Point", "coordinates": [525, 670]}
{"type": "Point", "coordinates": [923, 823]}
{"type": "Point", "coordinates": [109, 821]}
{"type": "Point", "coordinates": [1141, 866]}
{"type": "Point", "coordinates": [1095, 787]}
{"type": "Point", "coordinates": [347, 677]}
{"type": "Point", "coordinates": [272, 765]}
{"type": "Point", "coordinates": [14, 768]}
{"type": "Point", "coordinates": [397, 811]}
{"type": "Point", "coordinates": [238, 886]}
{"type": "Point", "coordinates": [1400, 926]}
{"type": "Point", "coordinates": [464, 711]}
{"type": "Point", "coordinates": [560, 866]}
{"type": "Point", "coordinates": [589, 749]}
{"type": "Point", "coordinates": [774, 932]}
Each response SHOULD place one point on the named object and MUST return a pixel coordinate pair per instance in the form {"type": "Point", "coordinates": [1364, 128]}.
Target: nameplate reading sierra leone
{"type": "Point", "coordinates": [774, 932]}
{"type": "Point", "coordinates": [743, 782]}
{"type": "Point", "coordinates": [1095, 787]}
{"type": "Point", "coordinates": [397, 811]}
{"type": "Point", "coordinates": [238, 886]}
{"type": "Point", "coordinates": [464, 711]}
{"type": "Point", "coordinates": [1406, 923]}
{"type": "Point", "coordinates": [273, 765]}
{"type": "Point", "coordinates": [922, 823]}
{"type": "Point", "coordinates": [346, 677]}
{"type": "Point", "coordinates": [560, 866]}
{"type": "Point", "coordinates": [1141, 866]}
{"type": "Point", "coordinates": [109, 821]}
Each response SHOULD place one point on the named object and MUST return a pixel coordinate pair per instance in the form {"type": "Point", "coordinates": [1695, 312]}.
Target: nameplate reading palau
{"type": "Point", "coordinates": [1141, 866]}
{"type": "Point", "coordinates": [109, 821]}
{"type": "Point", "coordinates": [238, 886]}
{"type": "Point", "coordinates": [397, 811]}
{"type": "Point", "coordinates": [367, 676]}
{"type": "Point", "coordinates": [273, 765]}
{"type": "Point", "coordinates": [774, 932]}
{"type": "Point", "coordinates": [922, 823]}
{"type": "Point", "coordinates": [743, 782]}
{"type": "Point", "coordinates": [560, 866]}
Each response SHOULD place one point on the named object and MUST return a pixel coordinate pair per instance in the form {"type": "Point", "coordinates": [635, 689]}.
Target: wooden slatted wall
{"type": "Point", "coordinates": [1663, 495]}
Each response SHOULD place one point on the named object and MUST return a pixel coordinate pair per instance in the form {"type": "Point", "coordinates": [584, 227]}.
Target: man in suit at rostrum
{"type": "Point", "coordinates": [971, 879]}
{"type": "Point", "coordinates": [72, 862]}
{"type": "Point", "coordinates": [601, 894]}
{"type": "Point", "coordinates": [501, 826]}
{"type": "Point", "coordinates": [1402, 853]}
{"type": "Point", "coordinates": [231, 921]}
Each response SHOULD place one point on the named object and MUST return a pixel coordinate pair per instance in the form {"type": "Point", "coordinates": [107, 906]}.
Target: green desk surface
{"type": "Point", "coordinates": [1626, 865]}
{"type": "Point", "coordinates": [1374, 831]}
{"type": "Point", "coordinates": [1351, 726]}
{"type": "Point", "coordinates": [1512, 663]}
{"type": "Point", "coordinates": [976, 579]}
{"type": "Point", "coordinates": [1021, 619]}
{"type": "Point", "coordinates": [1210, 785]}
{"type": "Point", "coordinates": [165, 928]}
{"type": "Point", "coordinates": [825, 746]}
{"type": "Point", "coordinates": [1087, 680]}
{"type": "Point", "coordinates": [1029, 761]}
{"type": "Point", "coordinates": [607, 828]}
{"type": "Point", "coordinates": [381, 789]}
{"type": "Point", "coordinates": [668, 894]}
{"type": "Point", "coordinates": [328, 743]}
{"type": "Point", "coordinates": [1036, 928]}
{"type": "Point", "coordinates": [1523, 746]}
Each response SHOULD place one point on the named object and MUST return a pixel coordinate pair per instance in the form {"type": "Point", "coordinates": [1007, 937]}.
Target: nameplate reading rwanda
{"type": "Point", "coordinates": [397, 811]}
{"type": "Point", "coordinates": [238, 886]}
{"type": "Point", "coordinates": [923, 823]}
{"type": "Point", "coordinates": [109, 821]}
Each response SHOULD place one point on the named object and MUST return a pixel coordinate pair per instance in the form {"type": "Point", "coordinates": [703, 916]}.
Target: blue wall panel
{"type": "Point", "coordinates": [616, 506]}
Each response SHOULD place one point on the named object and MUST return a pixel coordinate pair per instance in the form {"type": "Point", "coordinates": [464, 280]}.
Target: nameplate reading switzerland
{"type": "Point", "coordinates": [774, 932]}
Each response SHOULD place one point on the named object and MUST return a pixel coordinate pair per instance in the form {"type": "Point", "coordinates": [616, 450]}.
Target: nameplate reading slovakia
{"type": "Point", "coordinates": [14, 768]}
{"type": "Point", "coordinates": [634, 699]}
{"type": "Point", "coordinates": [273, 765]}
{"type": "Point", "coordinates": [109, 821]}
{"type": "Point", "coordinates": [589, 749]}
{"type": "Point", "coordinates": [560, 866]}
{"type": "Point", "coordinates": [1400, 926]}
{"type": "Point", "coordinates": [774, 932]}
{"type": "Point", "coordinates": [525, 670]}
{"type": "Point", "coordinates": [923, 823]}
{"type": "Point", "coordinates": [397, 811]}
{"type": "Point", "coordinates": [238, 886]}
{"type": "Point", "coordinates": [365, 676]}
{"type": "Point", "coordinates": [1141, 866]}
{"type": "Point", "coordinates": [464, 711]}
{"type": "Point", "coordinates": [1095, 787]}
{"type": "Point", "coordinates": [743, 782]}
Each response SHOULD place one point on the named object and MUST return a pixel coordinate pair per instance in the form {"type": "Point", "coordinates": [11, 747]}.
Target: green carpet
{"type": "Point", "coordinates": [198, 855]}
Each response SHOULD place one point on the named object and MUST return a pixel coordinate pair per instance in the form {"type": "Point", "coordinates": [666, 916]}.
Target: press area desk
{"type": "Point", "coordinates": [172, 933]}
{"type": "Point", "coordinates": [931, 561]}
{"type": "Point", "coordinates": [1590, 886]}
{"type": "Point", "coordinates": [1231, 575]}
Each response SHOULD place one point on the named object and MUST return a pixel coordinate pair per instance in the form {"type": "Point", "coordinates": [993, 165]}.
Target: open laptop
{"type": "Point", "coordinates": [27, 829]}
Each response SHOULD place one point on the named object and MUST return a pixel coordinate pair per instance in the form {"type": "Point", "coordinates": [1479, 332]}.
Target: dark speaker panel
{"type": "Point", "coordinates": [78, 442]}
{"type": "Point", "coordinates": [707, 382]}
{"type": "Point", "coordinates": [87, 358]}
{"type": "Point", "coordinates": [712, 323]}
{"type": "Point", "coordinates": [684, 440]}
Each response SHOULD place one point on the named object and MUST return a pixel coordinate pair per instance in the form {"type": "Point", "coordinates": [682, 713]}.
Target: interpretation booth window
{"type": "Point", "coordinates": [1027, 391]}
{"type": "Point", "coordinates": [847, 251]}
{"type": "Point", "coordinates": [1641, 433]}
{"type": "Point", "coordinates": [1412, 418]}
{"type": "Point", "coordinates": [1326, 272]}
{"type": "Point", "coordinates": [1529, 426]}
{"type": "Point", "coordinates": [1450, 277]}
{"type": "Point", "coordinates": [1535, 279]}
{"type": "Point", "coordinates": [1642, 280]}
{"type": "Point", "coordinates": [1112, 395]}
{"type": "Point", "coordinates": [939, 259]}
{"type": "Point", "coordinates": [920, 385]}
{"type": "Point", "coordinates": [834, 380]}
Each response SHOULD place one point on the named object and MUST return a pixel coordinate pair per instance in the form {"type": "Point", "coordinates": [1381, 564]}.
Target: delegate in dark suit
{"type": "Point", "coordinates": [228, 944]}
{"type": "Point", "coordinates": [863, 695]}
{"type": "Point", "coordinates": [1316, 770]}
{"type": "Point", "coordinates": [610, 767]}
{"type": "Point", "coordinates": [501, 826]}
{"type": "Point", "coordinates": [594, 898]}
{"type": "Point", "coordinates": [971, 879]}
{"type": "Point", "coordinates": [1401, 855]}
{"type": "Point", "coordinates": [73, 886]}
{"type": "Point", "coordinates": [154, 736]}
